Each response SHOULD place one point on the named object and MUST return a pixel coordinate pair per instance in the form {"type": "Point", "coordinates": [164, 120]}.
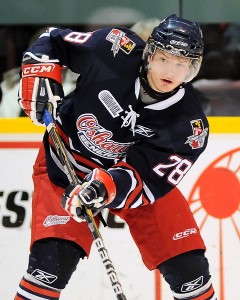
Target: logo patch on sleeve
{"type": "Point", "coordinates": [120, 42]}
{"type": "Point", "coordinates": [199, 134]}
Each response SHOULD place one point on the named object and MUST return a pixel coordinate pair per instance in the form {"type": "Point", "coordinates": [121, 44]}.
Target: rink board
{"type": "Point", "coordinates": [216, 211]}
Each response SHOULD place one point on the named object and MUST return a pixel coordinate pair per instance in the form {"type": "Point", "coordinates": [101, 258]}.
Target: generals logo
{"type": "Point", "coordinates": [55, 220]}
{"type": "Point", "coordinates": [199, 133]}
{"type": "Point", "coordinates": [97, 139]}
{"type": "Point", "coordinates": [120, 41]}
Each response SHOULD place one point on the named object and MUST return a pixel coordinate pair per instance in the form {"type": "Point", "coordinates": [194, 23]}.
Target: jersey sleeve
{"type": "Point", "coordinates": [82, 51]}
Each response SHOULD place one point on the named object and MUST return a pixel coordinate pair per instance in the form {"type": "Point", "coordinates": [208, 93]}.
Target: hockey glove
{"type": "Point", "coordinates": [41, 84]}
{"type": "Point", "coordinates": [97, 190]}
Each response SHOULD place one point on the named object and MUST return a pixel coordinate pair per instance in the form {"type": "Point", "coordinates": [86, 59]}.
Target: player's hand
{"type": "Point", "coordinates": [41, 84]}
{"type": "Point", "coordinates": [77, 197]}
{"type": "Point", "coordinates": [95, 193]}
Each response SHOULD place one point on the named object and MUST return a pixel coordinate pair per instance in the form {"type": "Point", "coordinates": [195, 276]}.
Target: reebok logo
{"type": "Point", "coordinates": [143, 130]}
{"type": "Point", "coordinates": [192, 285]}
{"type": "Point", "coordinates": [44, 276]}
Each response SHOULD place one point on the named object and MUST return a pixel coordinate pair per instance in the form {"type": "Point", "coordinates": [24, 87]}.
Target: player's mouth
{"type": "Point", "coordinates": [167, 81]}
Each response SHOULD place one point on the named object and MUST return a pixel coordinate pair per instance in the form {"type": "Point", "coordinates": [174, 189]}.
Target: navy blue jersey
{"type": "Point", "coordinates": [147, 148]}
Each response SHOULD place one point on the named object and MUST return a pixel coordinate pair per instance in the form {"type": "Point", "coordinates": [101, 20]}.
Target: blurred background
{"type": "Point", "coordinates": [21, 22]}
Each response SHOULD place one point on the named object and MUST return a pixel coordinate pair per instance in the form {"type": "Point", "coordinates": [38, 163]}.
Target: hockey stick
{"type": "Point", "coordinates": [72, 177]}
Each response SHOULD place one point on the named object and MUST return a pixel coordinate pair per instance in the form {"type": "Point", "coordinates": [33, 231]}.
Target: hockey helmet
{"type": "Point", "coordinates": [178, 37]}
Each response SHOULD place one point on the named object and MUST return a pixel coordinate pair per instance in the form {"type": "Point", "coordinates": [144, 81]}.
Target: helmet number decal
{"type": "Point", "coordinates": [180, 167]}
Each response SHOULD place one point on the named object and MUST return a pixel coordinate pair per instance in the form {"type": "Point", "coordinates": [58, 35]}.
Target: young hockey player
{"type": "Point", "coordinates": [133, 128]}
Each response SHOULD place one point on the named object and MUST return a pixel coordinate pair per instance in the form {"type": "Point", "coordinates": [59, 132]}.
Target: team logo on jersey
{"type": "Point", "coordinates": [97, 139]}
{"type": "Point", "coordinates": [120, 42]}
{"type": "Point", "coordinates": [114, 108]}
{"type": "Point", "coordinates": [52, 220]}
{"type": "Point", "coordinates": [199, 134]}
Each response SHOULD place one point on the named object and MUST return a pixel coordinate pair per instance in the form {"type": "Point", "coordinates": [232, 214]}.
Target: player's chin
{"type": "Point", "coordinates": [166, 88]}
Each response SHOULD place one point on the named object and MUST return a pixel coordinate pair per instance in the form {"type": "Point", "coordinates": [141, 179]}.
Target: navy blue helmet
{"type": "Point", "coordinates": [183, 35]}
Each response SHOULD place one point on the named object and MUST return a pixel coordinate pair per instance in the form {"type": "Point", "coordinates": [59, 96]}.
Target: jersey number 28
{"type": "Point", "coordinates": [180, 168]}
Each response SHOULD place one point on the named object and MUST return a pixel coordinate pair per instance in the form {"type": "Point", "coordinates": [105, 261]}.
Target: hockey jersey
{"type": "Point", "coordinates": [147, 148]}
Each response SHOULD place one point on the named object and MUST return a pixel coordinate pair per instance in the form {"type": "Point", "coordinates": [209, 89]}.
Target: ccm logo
{"type": "Point", "coordinates": [184, 234]}
{"type": "Point", "coordinates": [33, 70]}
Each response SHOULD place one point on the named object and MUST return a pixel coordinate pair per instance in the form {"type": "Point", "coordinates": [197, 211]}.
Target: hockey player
{"type": "Point", "coordinates": [133, 128]}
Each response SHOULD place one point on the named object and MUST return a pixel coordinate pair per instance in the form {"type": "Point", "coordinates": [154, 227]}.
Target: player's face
{"type": "Point", "coordinates": [166, 71]}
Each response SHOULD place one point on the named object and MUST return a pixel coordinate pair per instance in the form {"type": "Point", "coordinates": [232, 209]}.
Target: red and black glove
{"type": "Point", "coordinates": [97, 190]}
{"type": "Point", "coordinates": [41, 84]}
